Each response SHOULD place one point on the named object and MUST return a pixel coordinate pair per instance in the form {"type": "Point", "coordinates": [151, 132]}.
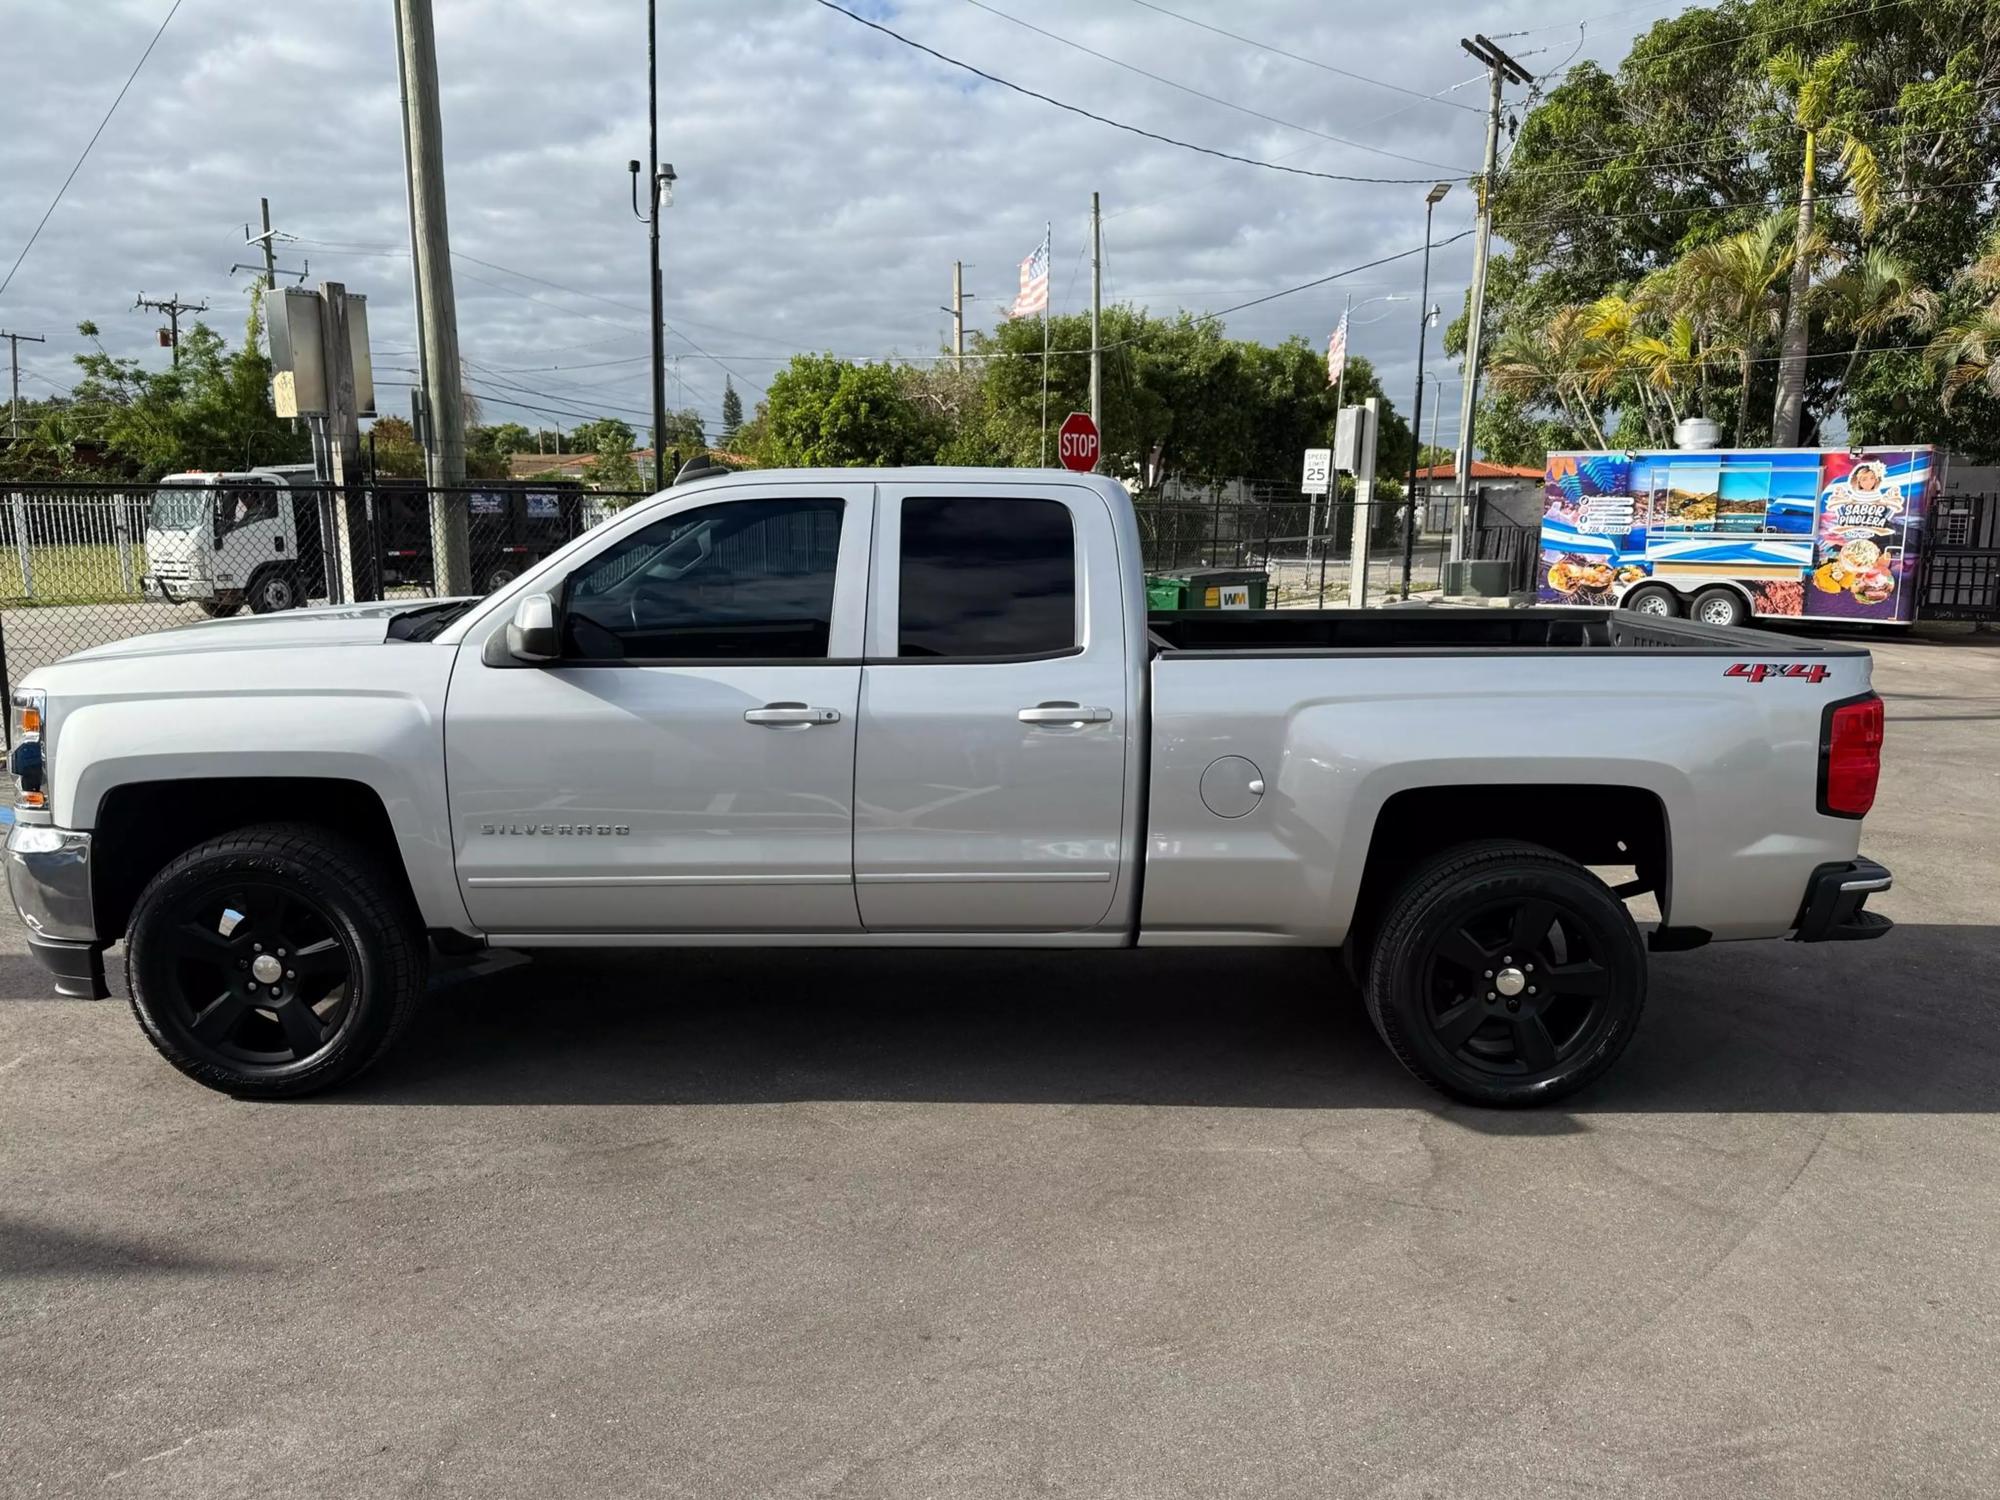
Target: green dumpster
{"type": "Point", "coordinates": [1163, 592]}
{"type": "Point", "coordinates": [1227, 588]}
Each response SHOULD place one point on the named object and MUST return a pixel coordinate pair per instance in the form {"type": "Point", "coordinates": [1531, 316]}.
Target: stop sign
{"type": "Point", "coordinates": [1078, 445]}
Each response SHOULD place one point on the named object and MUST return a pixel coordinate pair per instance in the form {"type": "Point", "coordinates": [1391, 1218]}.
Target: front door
{"type": "Point", "coordinates": [990, 779]}
{"type": "Point", "coordinates": [688, 764]}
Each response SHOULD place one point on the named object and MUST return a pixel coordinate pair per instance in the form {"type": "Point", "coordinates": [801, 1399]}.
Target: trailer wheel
{"type": "Point", "coordinates": [1720, 605]}
{"type": "Point", "coordinates": [1654, 599]}
{"type": "Point", "coordinates": [221, 607]}
{"type": "Point", "coordinates": [1506, 974]}
{"type": "Point", "coordinates": [272, 590]}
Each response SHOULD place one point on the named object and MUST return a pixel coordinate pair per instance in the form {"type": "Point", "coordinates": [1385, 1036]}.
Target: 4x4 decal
{"type": "Point", "coordinates": [1758, 671]}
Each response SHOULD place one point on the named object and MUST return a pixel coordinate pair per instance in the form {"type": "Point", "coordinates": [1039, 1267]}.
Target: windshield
{"type": "Point", "coordinates": [179, 507]}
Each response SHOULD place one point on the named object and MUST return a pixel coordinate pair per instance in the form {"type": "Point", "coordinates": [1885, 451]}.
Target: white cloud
{"type": "Point", "coordinates": [828, 176]}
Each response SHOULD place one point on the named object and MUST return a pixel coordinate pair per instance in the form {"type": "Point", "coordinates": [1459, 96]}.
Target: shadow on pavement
{"type": "Point", "coordinates": [1907, 1023]}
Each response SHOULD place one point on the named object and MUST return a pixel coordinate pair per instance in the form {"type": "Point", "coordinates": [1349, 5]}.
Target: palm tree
{"type": "Point", "coordinates": [1813, 88]}
{"type": "Point", "coordinates": [1553, 361]}
{"type": "Point", "coordinates": [1968, 350]}
{"type": "Point", "coordinates": [1731, 286]}
{"type": "Point", "coordinates": [1872, 294]}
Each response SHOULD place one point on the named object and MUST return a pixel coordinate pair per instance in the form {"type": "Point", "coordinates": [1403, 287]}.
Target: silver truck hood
{"type": "Point", "coordinates": [327, 625]}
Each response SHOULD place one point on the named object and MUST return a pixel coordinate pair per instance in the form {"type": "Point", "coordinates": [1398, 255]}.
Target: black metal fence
{"type": "Point", "coordinates": [1961, 579]}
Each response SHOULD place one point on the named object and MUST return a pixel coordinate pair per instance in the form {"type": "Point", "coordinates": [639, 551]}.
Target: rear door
{"type": "Point", "coordinates": [688, 764]}
{"type": "Point", "coordinates": [990, 773]}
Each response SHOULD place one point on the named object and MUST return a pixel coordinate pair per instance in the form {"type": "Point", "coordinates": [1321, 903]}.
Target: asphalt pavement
{"type": "Point", "coordinates": [1104, 1225]}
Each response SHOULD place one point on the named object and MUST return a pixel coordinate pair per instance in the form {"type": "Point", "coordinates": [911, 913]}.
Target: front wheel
{"type": "Point", "coordinates": [273, 590]}
{"type": "Point", "coordinates": [273, 962]}
{"type": "Point", "coordinates": [1506, 974]}
{"type": "Point", "coordinates": [221, 607]}
{"type": "Point", "coordinates": [1719, 606]}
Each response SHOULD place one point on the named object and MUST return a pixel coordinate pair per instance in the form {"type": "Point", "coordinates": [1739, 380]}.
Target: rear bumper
{"type": "Point", "coordinates": [1835, 897]}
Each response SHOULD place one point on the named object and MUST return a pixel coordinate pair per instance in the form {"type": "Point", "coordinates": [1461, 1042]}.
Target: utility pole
{"type": "Point", "coordinates": [343, 442]}
{"type": "Point", "coordinates": [659, 299]}
{"type": "Point", "coordinates": [437, 325]}
{"type": "Point", "coordinates": [266, 242]}
{"type": "Point", "coordinates": [14, 342]}
{"type": "Point", "coordinates": [959, 297]}
{"type": "Point", "coordinates": [1501, 70]}
{"type": "Point", "coordinates": [173, 307]}
{"type": "Point", "coordinates": [1417, 410]}
{"type": "Point", "coordinates": [1096, 314]}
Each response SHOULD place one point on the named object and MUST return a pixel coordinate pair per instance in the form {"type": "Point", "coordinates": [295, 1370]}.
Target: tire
{"type": "Point", "coordinates": [221, 607]}
{"type": "Point", "coordinates": [314, 959]}
{"type": "Point", "coordinates": [1654, 599]}
{"type": "Point", "coordinates": [1720, 605]}
{"type": "Point", "coordinates": [1460, 933]}
{"type": "Point", "coordinates": [272, 590]}
{"type": "Point", "coordinates": [498, 579]}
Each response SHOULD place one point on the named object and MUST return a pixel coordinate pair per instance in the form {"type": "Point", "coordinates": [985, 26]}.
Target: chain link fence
{"type": "Point", "coordinates": [83, 565]}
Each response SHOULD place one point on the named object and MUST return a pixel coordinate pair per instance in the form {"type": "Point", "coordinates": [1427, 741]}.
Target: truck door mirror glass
{"type": "Point", "coordinates": [531, 634]}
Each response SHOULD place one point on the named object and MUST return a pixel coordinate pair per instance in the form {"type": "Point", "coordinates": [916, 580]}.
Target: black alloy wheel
{"type": "Point", "coordinates": [1507, 974]}
{"type": "Point", "coordinates": [259, 973]}
{"type": "Point", "coordinates": [274, 961]}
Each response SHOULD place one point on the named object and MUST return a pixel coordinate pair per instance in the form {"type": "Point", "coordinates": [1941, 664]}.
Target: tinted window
{"type": "Point", "coordinates": [987, 578]}
{"type": "Point", "coordinates": [748, 578]}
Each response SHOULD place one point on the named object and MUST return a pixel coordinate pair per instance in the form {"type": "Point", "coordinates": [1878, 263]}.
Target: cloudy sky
{"type": "Point", "coordinates": [829, 175]}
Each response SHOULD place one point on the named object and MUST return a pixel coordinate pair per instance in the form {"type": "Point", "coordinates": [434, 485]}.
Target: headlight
{"type": "Point", "coordinates": [29, 761]}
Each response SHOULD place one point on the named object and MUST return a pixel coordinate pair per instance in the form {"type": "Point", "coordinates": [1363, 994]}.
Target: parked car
{"type": "Point", "coordinates": [927, 707]}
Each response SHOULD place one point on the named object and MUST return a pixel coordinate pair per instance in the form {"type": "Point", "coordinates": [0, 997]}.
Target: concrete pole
{"type": "Point", "coordinates": [1475, 319]}
{"type": "Point", "coordinates": [958, 315]}
{"type": "Point", "coordinates": [1364, 506]}
{"type": "Point", "coordinates": [437, 327]}
{"type": "Point", "coordinates": [14, 363]}
{"type": "Point", "coordinates": [1096, 313]}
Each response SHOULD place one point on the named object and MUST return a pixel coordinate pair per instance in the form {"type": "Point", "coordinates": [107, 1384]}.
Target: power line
{"type": "Point", "coordinates": [1242, 109]}
{"type": "Point", "coordinates": [1151, 135]}
{"type": "Point", "coordinates": [89, 144]}
{"type": "Point", "coordinates": [1311, 62]}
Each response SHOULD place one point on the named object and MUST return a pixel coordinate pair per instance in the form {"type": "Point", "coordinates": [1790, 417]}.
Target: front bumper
{"type": "Point", "coordinates": [1835, 897]}
{"type": "Point", "coordinates": [48, 875]}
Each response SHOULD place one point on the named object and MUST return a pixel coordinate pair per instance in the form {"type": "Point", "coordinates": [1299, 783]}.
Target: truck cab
{"type": "Point", "coordinates": [221, 540]}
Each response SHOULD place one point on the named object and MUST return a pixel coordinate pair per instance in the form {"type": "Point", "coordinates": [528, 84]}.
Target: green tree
{"type": "Point", "coordinates": [1822, 101]}
{"type": "Point", "coordinates": [823, 411]}
{"type": "Point", "coordinates": [732, 411]}
{"type": "Point", "coordinates": [593, 437]}
{"type": "Point", "coordinates": [211, 410]}
{"type": "Point", "coordinates": [613, 468]}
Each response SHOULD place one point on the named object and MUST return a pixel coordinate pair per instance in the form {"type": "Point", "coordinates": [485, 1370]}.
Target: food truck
{"type": "Point", "coordinates": [1727, 534]}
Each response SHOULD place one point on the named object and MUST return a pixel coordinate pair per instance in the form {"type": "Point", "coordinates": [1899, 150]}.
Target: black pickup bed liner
{"type": "Point", "coordinates": [1315, 632]}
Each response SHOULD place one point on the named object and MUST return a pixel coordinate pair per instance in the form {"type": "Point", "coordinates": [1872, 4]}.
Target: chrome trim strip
{"type": "Point", "coordinates": [651, 880]}
{"type": "Point", "coordinates": [988, 877]}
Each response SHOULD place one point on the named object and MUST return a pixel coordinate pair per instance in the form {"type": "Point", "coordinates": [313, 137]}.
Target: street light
{"type": "Point", "coordinates": [1430, 313]}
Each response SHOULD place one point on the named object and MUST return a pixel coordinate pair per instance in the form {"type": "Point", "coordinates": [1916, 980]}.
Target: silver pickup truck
{"type": "Point", "coordinates": [927, 707]}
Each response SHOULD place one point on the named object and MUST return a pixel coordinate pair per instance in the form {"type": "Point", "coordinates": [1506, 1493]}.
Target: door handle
{"type": "Point", "coordinates": [277, 544]}
{"type": "Point", "coordinates": [1063, 713]}
{"type": "Point", "coordinates": [790, 716]}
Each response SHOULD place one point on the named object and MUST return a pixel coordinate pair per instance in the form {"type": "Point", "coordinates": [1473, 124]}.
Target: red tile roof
{"type": "Point", "coordinates": [1481, 469]}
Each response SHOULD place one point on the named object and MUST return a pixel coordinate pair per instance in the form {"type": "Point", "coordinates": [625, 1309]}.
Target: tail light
{"type": "Point", "coordinates": [1850, 756]}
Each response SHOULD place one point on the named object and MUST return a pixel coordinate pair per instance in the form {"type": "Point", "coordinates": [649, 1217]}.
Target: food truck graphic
{"type": "Point", "coordinates": [1725, 534]}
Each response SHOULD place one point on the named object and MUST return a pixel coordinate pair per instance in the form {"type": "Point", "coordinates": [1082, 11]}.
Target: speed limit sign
{"type": "Point", "coordinates": [1319, 466]}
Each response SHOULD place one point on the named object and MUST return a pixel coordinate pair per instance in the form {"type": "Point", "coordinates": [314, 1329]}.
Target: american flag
{"type": "Point", "coordinates": [1034, 296]}
{"type": "Point", "coordinates": [1336, 352]}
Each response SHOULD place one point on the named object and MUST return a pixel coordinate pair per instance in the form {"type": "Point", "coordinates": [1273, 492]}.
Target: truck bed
{"type": "Point", "coordinates": [1320, 632]}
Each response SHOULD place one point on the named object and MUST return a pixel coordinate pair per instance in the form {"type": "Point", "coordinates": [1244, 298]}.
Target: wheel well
{"type": "Point", "coordinates": [143, 825]}
{"type": "Point", "coordinates": [1592, 824]}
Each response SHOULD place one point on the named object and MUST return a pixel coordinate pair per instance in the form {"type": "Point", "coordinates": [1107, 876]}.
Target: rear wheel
{"type": "Point", "coordinates": [1507, 975]}
{"type": "Point", "coordinates": [498, 579]}
{"type": "Point", "coordinates": [1655, 600]}
{"type": "Point", "coordinates": [272, 590]}
{"type": "Point", "coordinates": [273, 962]}
{"type": "Point", "coordinates": [1720, 605]}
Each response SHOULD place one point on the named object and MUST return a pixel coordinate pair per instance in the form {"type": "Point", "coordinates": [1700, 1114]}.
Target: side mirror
{"type": "Point", "coordinates": [531, 634]}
